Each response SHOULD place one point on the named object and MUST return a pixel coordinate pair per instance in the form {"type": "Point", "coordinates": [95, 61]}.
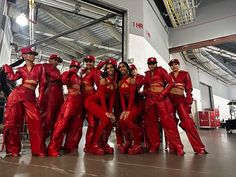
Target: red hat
{"type": "Point", "coordinates": [176, 61]}
{"type": "Point", "coordinates": [26, 50]}
{"type": "Point", "coordinates": [75, 63]}
{"type": "Point", "coordinates": [56, 57]}
{"type": "Point", "coordinates": [132, 66]}
{"type": "Point", "coordinates": [111, 61]}
{"type": "Point", "coordinates": [152, 60]}
{"type": "Point", "coordinates": [90, 57]}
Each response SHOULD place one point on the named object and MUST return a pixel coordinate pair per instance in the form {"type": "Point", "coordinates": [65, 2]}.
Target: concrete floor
{"type": "Point", "coordinates": [220, 162]}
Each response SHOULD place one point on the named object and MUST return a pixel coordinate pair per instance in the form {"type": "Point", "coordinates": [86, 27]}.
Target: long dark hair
{"type": "Point", "coordinates": [128, 69]}
{"type": "Point", "coordinates": [105, 73]}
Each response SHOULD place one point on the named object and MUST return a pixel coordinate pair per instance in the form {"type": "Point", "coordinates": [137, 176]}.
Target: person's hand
{"type": "Point", "coordinates": [126, 114]}
{"type": "Point", "coordinates": [122, 115]}
{"type": "Point", "coordinates": [189, 100]}
{"type": "Point", "coordinates": [112, 117]}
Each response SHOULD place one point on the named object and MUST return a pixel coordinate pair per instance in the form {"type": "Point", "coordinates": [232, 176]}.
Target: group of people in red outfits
{"type": "Point", "coordinates": [105, 98]}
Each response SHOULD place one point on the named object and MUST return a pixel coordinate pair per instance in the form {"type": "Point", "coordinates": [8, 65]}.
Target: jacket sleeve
{"type": "Point", "coordinates": [52, 72]}
{"type": "Point", "coordinates": [102, 94]}
{"type": "Point", "coordinates": [66, 76]}
{"type": "Point", "coordinates": [112, 101]}
{"type": "Point", "coordinates": [188, 89]}
{"type": "Point", "coordinates": [168, 82]}
{"type": "Point", "coordinates": [10, 73]}
{"type": "Point", "coordinates": [42, 85]}
{"type": "Point", "coordinates": [97, 77]}
{"type": "Point", "coordinates": [132, 94]}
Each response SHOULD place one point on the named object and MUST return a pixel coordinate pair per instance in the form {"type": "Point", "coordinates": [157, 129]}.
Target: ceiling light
{"type": "Point", "coordinates": [22, 20]}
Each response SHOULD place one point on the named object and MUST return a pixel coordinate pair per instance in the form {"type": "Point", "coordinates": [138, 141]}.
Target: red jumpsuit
{"type": "Point", "coordinates": [69, 120]}
{"type": "Point", "coordinates": [53, 98]}
{"type": "Point", "coordinates": [182, 105]}
{"type": "Point", "coordinates": [22, 103]}
{"type": "Point", "coordinates": [98, 104]}
{"type": "Point", "coordinates": [88, 81]}
{"type": "Point", "coordinates": [127, 96]}
{"type": "Point", "coordinates": [156, 88]}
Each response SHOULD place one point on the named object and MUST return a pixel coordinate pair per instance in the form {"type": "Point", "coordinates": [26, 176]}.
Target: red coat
{"type": "Point", "coordinates": [183, 80]}
{"type": "Point", "coordinates": [161, 78]}
{"type": "Point", "coordinates": [36, 73]}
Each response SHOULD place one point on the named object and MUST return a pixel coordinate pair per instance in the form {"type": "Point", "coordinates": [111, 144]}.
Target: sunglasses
{"type": "Point", "coordinates": [75, 67]}
{"type": "Point", "coordinates": [88, 61]}
{"type": "Point", "coordinates": [152, 63]}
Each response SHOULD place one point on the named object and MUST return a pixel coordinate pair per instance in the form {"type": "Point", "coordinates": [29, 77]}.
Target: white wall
{"type": "Point", "coordinates": [232, 92]}
{"type": "Point", "coordinates": [140, 49]}
{"type": "Point", "coordinates": [153, 25]}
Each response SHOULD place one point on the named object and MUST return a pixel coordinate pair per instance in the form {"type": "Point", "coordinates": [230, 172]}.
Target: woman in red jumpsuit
{"type": "Point", "coordinates": [182, 104]}
{"type": "Point", "coordinates": [69, 119]}
{"type": "Point", "coordinates": [127, 89]}
{"type": "Point", "coordinates": [53, 95]}
{"type": "Point", "coordinates": [22, 99]}
{"type": "Point", "coordinates": [156, 88]}
{"type": "Point", "coordinates": [100, 105]}
{"type": "Point", "coordinates": [90, 78]}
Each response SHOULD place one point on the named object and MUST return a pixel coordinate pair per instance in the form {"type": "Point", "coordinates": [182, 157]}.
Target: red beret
{"type": "Point", "coordinates": [26, 50]}
{"type": "Point", "coordinates": [75, 63]}
{"type": "Point", "coordinates": [112, 61]}
{"type": "Point", "coordinates": [152, 60]}
{"type": "Point", "coordinates": [132, 66]}
{"type": "Point", "coordinates": [56, 57]}
{"type": "Point", "coordinates": [90, 57]}
{"type": "Point", "coordinates": [176, 61]}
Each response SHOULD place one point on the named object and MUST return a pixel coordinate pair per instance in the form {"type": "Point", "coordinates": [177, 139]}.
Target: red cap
{"type": "Point", "coordinates": [90, 57]}
{"type": "Point", "coordinates": [26, 50]}
{"type": "Point", "coordinates": [56, 57]}
{"type": "Point", "coordinates": [152, 60]}
{"type": "Point", "coordinates": [112, 61]}
{"type": "Point", "coordinates": [176, 61]}
{"type": "Point", "coordinates": [75, 63]}
{"type": "Point", "coordinates": [132, 66]}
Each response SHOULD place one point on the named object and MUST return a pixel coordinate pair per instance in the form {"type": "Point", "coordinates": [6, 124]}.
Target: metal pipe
{"type": "Point", "coordinates": [74, 29]}
{"type": "Point", "coordinates": [216, 62]}
{"type": "Point", "coordinates": [81, 42]}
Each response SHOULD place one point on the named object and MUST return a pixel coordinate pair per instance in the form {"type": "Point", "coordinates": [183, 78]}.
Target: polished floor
{"type": "Point", "coordinates": [220, 162]}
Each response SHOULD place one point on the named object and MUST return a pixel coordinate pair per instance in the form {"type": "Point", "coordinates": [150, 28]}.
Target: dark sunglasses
{"type": "Point", "coordinates": [88, 61]}
{"type": "Point", "coordinates": [152, 63]}
{"type": "Point", "coordinates": [75, 67]}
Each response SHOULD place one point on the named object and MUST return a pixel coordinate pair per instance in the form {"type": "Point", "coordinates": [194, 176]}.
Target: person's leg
{"type": "Point", "coordinates": [188, 126]}
{"type": "Point", "coordinates": [34, 123]}
{"type": "Point", "coordinates": [169, 125]}
{"type": "Point", "coordinates": [151, 128]}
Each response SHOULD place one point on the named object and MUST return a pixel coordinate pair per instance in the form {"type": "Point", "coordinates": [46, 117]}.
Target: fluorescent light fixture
{"type": "Point", "coordinates": [22, 20]}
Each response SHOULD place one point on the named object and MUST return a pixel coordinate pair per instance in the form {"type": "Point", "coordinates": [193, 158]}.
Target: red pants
{"type": "Point", "coordinates": [53, 102]}
{"type": "Point", "coordinates": [68, 122]}
{"type": "Point", "coordinates": [22, 103]}
{"type": "Point", "coordinates": [93, 105]}
{"type": "Point", "coordinates": [92, 123]}
{"type": "Point", "coordinates": [164, 110]}
{"type": "Point", "coordinates": [129, 124]}
{"type": "Point", "coordinates": [186, 122]}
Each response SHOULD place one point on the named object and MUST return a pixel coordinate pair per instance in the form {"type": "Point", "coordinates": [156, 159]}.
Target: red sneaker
{"type": "Point", "coordinates": [97, 150]}
{"type": "Point", "coordinates": [135, 149]}
{"type": "Point", "coordinates": [108, 149]}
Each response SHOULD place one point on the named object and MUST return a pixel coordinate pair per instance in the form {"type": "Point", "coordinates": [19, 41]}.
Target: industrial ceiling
{"type": "Point", "coordinates": [69, 28]}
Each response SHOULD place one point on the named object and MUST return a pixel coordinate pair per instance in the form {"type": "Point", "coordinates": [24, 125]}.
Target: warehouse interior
{"type": "Point", "coordinates": [200, 33]}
